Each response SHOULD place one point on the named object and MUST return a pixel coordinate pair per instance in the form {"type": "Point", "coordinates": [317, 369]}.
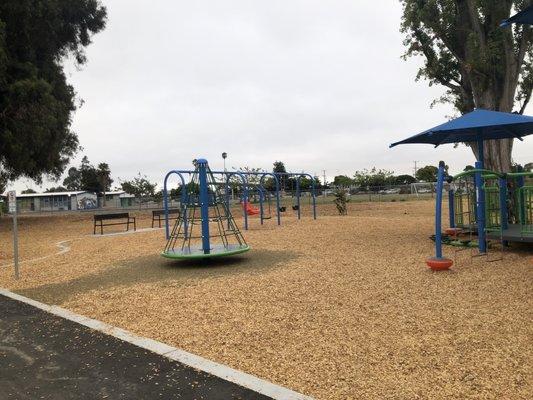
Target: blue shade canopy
{"type": "Point", "coordinates": [474, 126]}
{"type": "Point", "coordinates": [523, 17]}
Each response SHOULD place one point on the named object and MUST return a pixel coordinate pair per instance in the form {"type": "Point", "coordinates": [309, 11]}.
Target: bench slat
{"type": "Point", "coordinates": [101, 217]}
{"type": "Point", "coordinates": [162, 212]}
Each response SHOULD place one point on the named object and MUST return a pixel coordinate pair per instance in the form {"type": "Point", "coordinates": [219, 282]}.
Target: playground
{"type": "Point", "coordinates": [341, 307]}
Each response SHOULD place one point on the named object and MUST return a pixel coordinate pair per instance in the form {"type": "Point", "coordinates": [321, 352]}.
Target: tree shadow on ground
{"type": "Point", "coordinates": [154, 268]}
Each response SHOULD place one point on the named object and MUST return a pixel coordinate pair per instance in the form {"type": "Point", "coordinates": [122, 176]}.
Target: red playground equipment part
{"type": "Point", "coordinates": [249, 209]}
{"type": "Point", "coordinates": [439, 264]}
{"type": "Point", "coordinates": [454, 232]}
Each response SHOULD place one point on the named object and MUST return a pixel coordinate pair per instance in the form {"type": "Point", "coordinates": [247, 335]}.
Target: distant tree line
{"type": "Point", "coordinates": [381, 177]}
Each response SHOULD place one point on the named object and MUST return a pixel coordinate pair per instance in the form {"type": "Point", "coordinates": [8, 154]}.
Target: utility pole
{"type": "Point", "coordinates": [416, 168]}
{"type": "Point", "coordinates": [324, 176]}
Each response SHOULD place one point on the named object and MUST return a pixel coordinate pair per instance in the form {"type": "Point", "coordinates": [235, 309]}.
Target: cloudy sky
{"type": "Point", "coordinates": [317, 84]}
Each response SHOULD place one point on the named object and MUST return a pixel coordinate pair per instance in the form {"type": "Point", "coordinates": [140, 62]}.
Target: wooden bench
{"type": "Point", "coordinates": [99, 220]}
{"type": "Point", "coordinates": [173, 213]}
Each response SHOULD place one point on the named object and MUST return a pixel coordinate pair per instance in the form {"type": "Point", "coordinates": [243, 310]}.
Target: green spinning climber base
{"type": "Point", "coordinates": [198, 253]}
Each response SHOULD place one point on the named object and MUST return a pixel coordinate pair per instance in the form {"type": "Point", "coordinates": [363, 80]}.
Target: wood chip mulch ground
{"type": "Point", "coordinates": [338, 308]}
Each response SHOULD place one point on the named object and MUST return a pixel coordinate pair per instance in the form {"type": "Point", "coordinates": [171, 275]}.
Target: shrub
{"type": "Point", "coordinates": [340, 201]}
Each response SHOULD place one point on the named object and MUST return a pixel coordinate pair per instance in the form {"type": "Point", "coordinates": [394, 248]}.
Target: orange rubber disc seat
{"type": "Point", "coordinates": [439, 264]}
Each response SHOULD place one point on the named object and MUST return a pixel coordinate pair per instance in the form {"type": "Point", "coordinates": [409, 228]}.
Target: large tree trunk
{"type": "Point", "coordinates": [497, 154]}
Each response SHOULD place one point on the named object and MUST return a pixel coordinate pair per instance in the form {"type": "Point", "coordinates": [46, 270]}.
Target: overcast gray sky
{"type": "Point", "coordinates": [317, 84]}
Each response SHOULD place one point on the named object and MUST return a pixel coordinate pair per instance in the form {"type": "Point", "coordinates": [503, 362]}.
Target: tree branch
{"type": "Point", "coordinates": [476, 23]}
{"type": "Point", "coordinates": [526, 101]}
{"type": "Point", "coordinates": [522, 48]}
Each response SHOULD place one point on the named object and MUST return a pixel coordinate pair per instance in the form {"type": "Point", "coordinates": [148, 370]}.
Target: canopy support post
{"type": "Point", "coordinates": [503, 204]}
{"type": "Point", "coordinates": [480, 209]}
{"type": "Point", "coordinates": [451, 207]}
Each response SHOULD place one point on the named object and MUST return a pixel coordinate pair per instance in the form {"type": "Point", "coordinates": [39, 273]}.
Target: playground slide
{"type": "Point", "coordinates": [249, 209]}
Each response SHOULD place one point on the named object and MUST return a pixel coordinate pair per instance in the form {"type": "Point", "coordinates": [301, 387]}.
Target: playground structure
{"type": "Point", "coordinates": [219, 235]}
{"type": "Point", "coordinates": [508, 207]}
{"type": "Point", "coordinates": [484, 198]}
{"type": "Point", "coordinates": [495, 206]}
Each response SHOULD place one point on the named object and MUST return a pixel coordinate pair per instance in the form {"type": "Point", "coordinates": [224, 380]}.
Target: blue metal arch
{"type": "Point", "coordinates": [313, 191]}
{"type": "Point", "coordinates": [183, 199]}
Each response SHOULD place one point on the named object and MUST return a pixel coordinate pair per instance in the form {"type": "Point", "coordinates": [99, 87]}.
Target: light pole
{"type": "Point", "coordinates": [224, 156]}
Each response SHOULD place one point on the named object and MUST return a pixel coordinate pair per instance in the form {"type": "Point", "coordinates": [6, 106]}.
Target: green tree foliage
{"type": "Point", "coordinates": [528, 167]}
{"type": "Point", "coordinates": [480, 64]}
{"type": "Point", "coordinates": [56, 189]}
{"type": "Point", "coordinates": [269, 184]}
{"type": "Point", "coordinates": [192, 188]}
{"type": "Point", "coordinates": [279, 168]}
{"type": "Point", "coordinates": [103, 175]}
{"type": "Point", "coordinates": [73, 179]}
{"type": "Point", "coordinates": [343, 181]}
{"type": "Point", "coordinates": [88, 177]}
{"type": "Point", "coordinates": [139, 186]}
{"type": "Point", "coordinates": [374, 177]}
{"type": "Point", "coordinates": [252, 179]}
{"type": "Point", "coordinates": [404, 180]}
{"type": "Point", "coordinates": [36, 102]}
{"type": "Point", "coordinates": [28, 191]}
{"type": "Point", "coordinates": [305, 183]}
{"type": "Point", "coordinates": [427, 174]}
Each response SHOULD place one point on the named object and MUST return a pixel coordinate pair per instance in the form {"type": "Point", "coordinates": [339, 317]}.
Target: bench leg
{"type": "Point", "coordinates": [94, 229]}
{"type": "Point", "coordinates": [153, 222]}
{"type": "Point", "coordinates": [128, 225]}
{"type": "Point", "coordinates": [101, 227]}
{"type": "Point", "coordinates": [160, 221]}
{"type": "Point", "coordinates": [134, 224]}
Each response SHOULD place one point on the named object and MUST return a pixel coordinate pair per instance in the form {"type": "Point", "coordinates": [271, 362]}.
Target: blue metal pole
{"type": "Point", "coordinates": [520, 181]}
{"type": "Point", "coordinates": [298, 196]}
{"type": "Point", "coordinates": [165, 206]}
{"type": "Point", "coordinates": [451, 207]}
{"type": "Point", "coordinates": [204, 204]}
{"type": "Point", "coordinates": [260, 204]}
{"type": "Point", "coordinates": [482, 242]}
{"type": "Point", "coordinates": [245, 194]}
{"type": "Point", "coordinates": [183, 200]}
{"type": "Point", "coordinates": [313, 193]}
{"type": "Point", "coordinates": [503, 203]}
{"type": "Point", "coordinates": [227, 197]}
{"type": "Point", "coordinates": [276, 182]}
{"type": "Point", "coordinates": [245, 191]}
{"type": "Point", "coordinates": [438, 211]}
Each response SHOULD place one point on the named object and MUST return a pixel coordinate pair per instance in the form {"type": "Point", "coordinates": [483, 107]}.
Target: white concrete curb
{"type": "Point", "coordinates": [222, 371]}
{"type": "Point", "coordinates": [122, 233]}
